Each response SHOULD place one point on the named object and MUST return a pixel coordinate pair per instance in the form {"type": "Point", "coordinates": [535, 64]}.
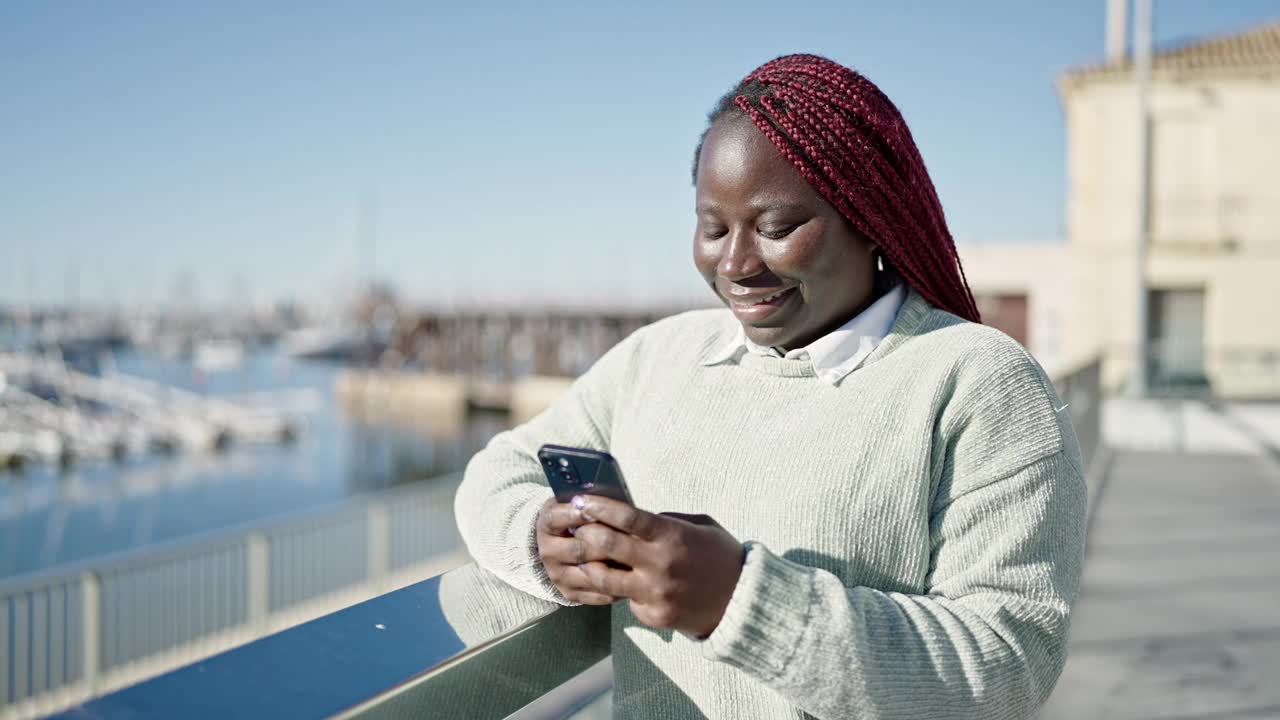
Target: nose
{"type": "Point", "coordinates": [739, 257]}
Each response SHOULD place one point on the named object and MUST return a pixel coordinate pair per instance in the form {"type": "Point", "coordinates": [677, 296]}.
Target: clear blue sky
{"type": "Point", "coordinates": [153, 151]}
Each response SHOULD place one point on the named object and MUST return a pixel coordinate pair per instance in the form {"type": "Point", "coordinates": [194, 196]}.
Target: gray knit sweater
{"type": "Point", "coordinates": [915, 534]}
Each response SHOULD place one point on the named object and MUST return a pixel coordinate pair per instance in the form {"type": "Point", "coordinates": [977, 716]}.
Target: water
{"type": "Point", "coordinates": [50, 517]}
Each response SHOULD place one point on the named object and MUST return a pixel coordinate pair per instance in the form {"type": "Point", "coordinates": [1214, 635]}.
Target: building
{"type": "Point", "coordinates": [1212, 267]}
{"type": "Point", "coordinates": [1016, 294]}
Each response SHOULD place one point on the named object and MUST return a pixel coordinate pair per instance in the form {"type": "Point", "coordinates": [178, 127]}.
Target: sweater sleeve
{"type": "Point", "coordinates": [987, 637]}
{"type": "Point", "coordinates": [503, 487]}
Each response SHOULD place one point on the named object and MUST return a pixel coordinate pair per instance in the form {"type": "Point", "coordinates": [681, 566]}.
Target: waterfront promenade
{"type": "Point", "coordinates": [1179, 611]}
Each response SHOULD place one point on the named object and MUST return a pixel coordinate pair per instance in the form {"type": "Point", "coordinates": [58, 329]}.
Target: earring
{"type": "Point", "coordinates": [879, 262]}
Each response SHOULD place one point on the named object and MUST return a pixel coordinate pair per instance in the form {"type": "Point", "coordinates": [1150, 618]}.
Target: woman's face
{"type": "Point", "coordinates": [789, 266]}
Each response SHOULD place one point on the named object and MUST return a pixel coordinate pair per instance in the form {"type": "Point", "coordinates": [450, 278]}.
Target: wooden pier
{"type": "Point", "coordinates": [441, 362]}
{"type": "Point", "coordinates": [504, 345]}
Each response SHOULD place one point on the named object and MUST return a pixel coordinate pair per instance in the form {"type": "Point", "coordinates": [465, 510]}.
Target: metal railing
{"type": "Point", "coordinates": [461, 645]}
{"type": "Point", "coordinates": [1192, 370]}
{"type": "Point", "coordinates": [1238, 372]}
{"type": "Point", "coordinates": [1081, 389]}
{"type": "Point", "coordinates": [74, 632]}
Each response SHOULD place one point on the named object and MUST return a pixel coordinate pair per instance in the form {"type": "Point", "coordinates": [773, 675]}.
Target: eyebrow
{"type": "Point", "coordinates": [758, 207]}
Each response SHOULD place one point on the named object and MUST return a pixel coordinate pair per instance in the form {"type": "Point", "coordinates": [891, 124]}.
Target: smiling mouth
{"type": "Point", "coordinates": [755, 309]}
{"type": "Point", "coordinates": [766, 300]}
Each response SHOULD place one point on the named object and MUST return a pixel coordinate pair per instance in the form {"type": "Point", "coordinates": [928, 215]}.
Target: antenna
{"type": "Point", "coordinates": [1117, 18]}
{"type": "Point", "coordinates": [367, 236]}
{"type": "Point", "coordinates": [1142, 80]}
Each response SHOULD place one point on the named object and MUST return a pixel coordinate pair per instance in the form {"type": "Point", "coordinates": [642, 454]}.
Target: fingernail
{"type": "Point", "coordinates": [580, 504]}
{"type": "Point", "coordinates": [573, 531]}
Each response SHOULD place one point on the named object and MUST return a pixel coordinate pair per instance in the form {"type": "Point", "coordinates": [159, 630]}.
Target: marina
{"type": "Point", "coordinates": [120, 431]}
{"type": "Point", "coordinates": [130, 493]}
{"type": "Point", "coordinates": [52, 412]}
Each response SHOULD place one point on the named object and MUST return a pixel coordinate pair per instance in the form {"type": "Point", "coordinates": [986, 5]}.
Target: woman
{"type": "Point", "coordinates": [876, 502]}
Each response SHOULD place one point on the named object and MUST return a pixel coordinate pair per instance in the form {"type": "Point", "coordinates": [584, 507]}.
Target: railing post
{"type": "Point", "coordinates": [257, 580]}
{"type": "Point", "coordinates": [21, 649]}
{"type": "Point", "coordinates": [378, 563]}
{"type": "Point", "coordinates": [90, 629]}
{"type": "Point", "coordinates": [40, 640]}
{"type": "Point", "coordinates": [4, 649]}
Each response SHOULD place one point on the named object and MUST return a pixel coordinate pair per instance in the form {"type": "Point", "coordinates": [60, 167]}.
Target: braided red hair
{"type": "Point", "coordinates": [851, 144]}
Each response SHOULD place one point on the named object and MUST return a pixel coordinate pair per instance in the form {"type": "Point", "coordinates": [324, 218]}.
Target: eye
{"type": "Point", "coordinates": [777, 233]}
{"type": "Point", "coordinates": [714, 233]}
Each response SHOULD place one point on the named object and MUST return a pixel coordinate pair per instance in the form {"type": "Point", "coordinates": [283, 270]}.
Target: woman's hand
{"type": "Point", "coordinates": [564, 556]}
{"type": "Point", "coordinates": [680, 570]}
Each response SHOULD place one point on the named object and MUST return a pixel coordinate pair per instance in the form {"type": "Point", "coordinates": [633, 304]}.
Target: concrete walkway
{"type": "Point", "coordinates": [1179, 611]}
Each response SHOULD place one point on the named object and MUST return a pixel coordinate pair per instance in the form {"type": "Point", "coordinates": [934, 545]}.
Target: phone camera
{"type": "Point", "coordinates": [569, 477]}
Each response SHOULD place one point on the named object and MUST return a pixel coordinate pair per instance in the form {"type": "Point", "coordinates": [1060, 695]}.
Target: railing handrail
{"type": "Point", "coordinates": [446, 638]}
{"type": "Point", "coordinates": [178, 547]}
{"type": "Point", "coordinates": [466, 653]}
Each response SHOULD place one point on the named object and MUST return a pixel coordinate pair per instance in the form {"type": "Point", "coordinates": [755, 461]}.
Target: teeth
{"type": "Point", "coordinates": [749, 303]}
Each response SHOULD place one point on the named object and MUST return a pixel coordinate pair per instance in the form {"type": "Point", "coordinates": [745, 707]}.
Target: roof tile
{"type": "Point", "coordinates": [1255, 48]}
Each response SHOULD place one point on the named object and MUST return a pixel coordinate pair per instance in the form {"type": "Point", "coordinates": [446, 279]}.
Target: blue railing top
{"type": "Point", "coordinates": [335, 663]}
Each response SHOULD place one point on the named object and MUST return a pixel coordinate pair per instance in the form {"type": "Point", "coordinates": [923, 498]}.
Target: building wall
{"type": "Point", "coordinates": [1215, 216]}
{"type": "Point", "coordinates": [1042, 272]}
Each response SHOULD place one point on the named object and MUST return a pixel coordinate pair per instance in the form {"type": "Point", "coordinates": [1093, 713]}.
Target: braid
{"type": "Point", "coordinates": [850, 143]}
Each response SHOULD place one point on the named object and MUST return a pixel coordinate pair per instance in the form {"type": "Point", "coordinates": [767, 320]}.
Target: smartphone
{"type": "Point", "coordinates": [576, 471]}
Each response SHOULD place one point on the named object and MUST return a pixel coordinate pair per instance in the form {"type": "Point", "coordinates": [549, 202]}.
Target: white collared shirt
{"type": "Point", "coordinates": [837, 353]}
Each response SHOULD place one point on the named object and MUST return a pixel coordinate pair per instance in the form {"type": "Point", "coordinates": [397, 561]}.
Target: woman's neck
{"type": "Point", "coordinates": [885, 281]}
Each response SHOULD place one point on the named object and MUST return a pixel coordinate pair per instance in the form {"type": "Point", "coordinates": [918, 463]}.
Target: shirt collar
{"type": "Point", "coordinates": [835, 354]}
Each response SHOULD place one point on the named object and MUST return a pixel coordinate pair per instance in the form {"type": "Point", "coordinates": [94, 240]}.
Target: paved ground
{"type": "Point", "coordinates": [1179, 612]}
